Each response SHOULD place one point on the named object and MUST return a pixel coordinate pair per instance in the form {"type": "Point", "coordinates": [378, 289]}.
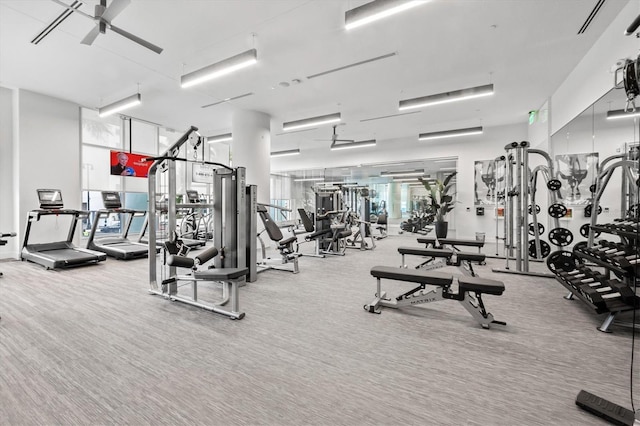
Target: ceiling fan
{"type": "Point", "coordinates": [334, 136]}
{"type": "Point", "coordinates": [103, 16]}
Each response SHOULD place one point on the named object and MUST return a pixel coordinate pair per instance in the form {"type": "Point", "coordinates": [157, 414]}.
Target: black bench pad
{"type": "Point", "coordinates": [286, 242]}
{"type": "Point", "coordinates": [472, 257]}
{"type": "Point", "coordinates": [480, 285]}
{"type": "Point", "coordinates": [221, 274]}
{"type": "Point", "coordinates": [451, 241]}
{"type": "Point", "coordinates": [417, 251]}
{"type": "Point", "coordinates": [412, 275]}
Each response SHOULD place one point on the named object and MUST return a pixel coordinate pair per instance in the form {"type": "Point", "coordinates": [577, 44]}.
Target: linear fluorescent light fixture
{"type": "Point", "coordinates": [286, 153]}
{"type": "Point", "coordinates": [219, 69]}
{"type": "Point", "coordinates": [120, 105]}
{"type": "Point", "coordinates": [620, 113]}
{"type": "Point", "coordinates": [220, 138]}
{"type": "Point", "coordinates": [310, 122]}
{"type": "Point", "coordinates": [375, 10]}
{"type": "Point", "coordinates": [446, 97]}
{"type": "Point", "coordinates": [350, 145]}
{"type": "Point", "coordinates": [316, 179]}
{"type": "Point", "coordinates": [450, 133]}
{"type": "Point", "coordinates": [404, 173]}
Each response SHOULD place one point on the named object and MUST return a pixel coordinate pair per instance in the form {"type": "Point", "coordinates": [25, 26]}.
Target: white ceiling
{"type": "Point", "coordinates": [524, 47]}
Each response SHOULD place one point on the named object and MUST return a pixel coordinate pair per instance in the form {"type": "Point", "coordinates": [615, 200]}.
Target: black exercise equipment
{"type": "Point", "coordinates": [563, 260]}
{"type": "Point", "coordinates": [584, 231]}
{"type": "Point", "coordinates": [453, 242]}
{"type": "Point", "coordinates": [58, 254]}
{"type": "Point", "coordinates": [561, 236]}
{"type": "Point", "coordinates": [554, 184]}
{"type": "Point", "coordinates": [613, 413]}
{"type": "Point", "coordinates": [545, 249]}
{"type": "Point", "coordinates": [470, 291]}
{"type": "Point", "coordinates": [119, 247]}
{"type": "Point", "coordinates": [284, 245]}
{"type": "Point", "coordinates": [588, 210]}
{"type": "Point", "coordinates": [532, 229]}
{"type": "Point", "coordinates": [557, 210]}
{"type": "Point", "coordinates": [592, 188]}
{"type": "Point", "coordinates": [438, 258]}
{"type": "Point", "coordinates": [231, 279]}
{"type": "Point", "coordinates": [3, 242]}
{"type": "Point", "coordinates": [382, 226]}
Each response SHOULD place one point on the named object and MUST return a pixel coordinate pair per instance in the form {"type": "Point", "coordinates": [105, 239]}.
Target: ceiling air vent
{"type": "Point", "coordinates": [591, 16]}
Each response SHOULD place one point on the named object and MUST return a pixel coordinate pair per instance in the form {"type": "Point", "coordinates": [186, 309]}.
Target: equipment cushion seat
{"type": "Point", "coordinates": [480, 285]}
{"type": "Point", "coordinates": [286, 242]}
{"type": "Point", "coordinates": [417, 251]}
{"type": "Point", "coordinates": [317, 234]}
{"type": "Point", "coordinates": [221, 274]}
{"type": "Point", "coordinates": [472, 257]}
{"type": "Point", "coordinates": [451, 241]}
{"type": "Point", "coordinates": [345, 233]}
{"type": "Point", "coordinates": [412, 275]}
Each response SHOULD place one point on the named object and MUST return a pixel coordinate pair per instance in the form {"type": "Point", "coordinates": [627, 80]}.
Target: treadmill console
{"type": "Point", "coordinates": [193, 196]}
{"type": "Point", "coordinates": [50, 199]}
{"type": "Point", "coordinates": [111, 200]}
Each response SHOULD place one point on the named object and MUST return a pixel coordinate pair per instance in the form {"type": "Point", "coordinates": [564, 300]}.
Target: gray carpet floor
{"type": "Point", "coordinates": [90, 346]}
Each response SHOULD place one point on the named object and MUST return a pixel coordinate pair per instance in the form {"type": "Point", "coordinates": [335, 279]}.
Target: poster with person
{"type": "Point", "coordinates": [129, 164]}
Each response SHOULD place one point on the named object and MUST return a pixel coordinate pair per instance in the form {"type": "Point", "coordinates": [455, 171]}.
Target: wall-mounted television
{"type": "Point", "coordinates": [129, 164]}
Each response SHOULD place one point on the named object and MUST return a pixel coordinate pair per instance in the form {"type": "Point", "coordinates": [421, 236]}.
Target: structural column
{"type": "Point", "coordinates": [395, 200]}
{"type": "Point", "coordinates": [251, 148]}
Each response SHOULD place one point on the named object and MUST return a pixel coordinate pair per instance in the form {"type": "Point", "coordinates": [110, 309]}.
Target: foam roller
{"type": "Point", "coordinates": [180, 261]}
{"type": "Point", "coordinates": [207, 255]}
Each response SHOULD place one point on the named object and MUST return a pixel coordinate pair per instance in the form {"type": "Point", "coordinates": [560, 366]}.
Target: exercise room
{"type": "Point", "coordinates": [319, 212]}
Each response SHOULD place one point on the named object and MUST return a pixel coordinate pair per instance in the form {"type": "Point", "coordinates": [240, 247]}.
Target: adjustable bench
{"type": "Point", "coordinates": [453, 242]}
{"type": "Point", "coordinates": [448, 258]}
{"type": "Point", "coordinates": [469, 293]}
{"type": "Point", "coordinates": [284, 245]}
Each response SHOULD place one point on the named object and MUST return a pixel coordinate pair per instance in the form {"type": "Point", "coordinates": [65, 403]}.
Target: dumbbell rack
{"type": "Point", "coordinates": [600, 291]}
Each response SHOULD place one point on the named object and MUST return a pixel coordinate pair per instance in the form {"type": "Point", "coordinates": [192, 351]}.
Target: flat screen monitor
{"type": "Point", "coordinates": [111, 200]}
{"type": "Point", "coordinates": [50, 199]}
{"type": "Point", "coordinates": [193, 196]}
{"type": "Point", "coordinates": [129, 164]}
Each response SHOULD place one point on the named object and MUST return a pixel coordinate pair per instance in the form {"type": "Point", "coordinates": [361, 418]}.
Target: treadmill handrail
{"type": "Point", "coordinates": [46, 212]}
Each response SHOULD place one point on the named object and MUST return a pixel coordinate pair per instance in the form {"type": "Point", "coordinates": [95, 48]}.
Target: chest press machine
{"type": "Point", "coordinates": [284, 245]}
{"type": "Point", "coordinates": [470, 291]}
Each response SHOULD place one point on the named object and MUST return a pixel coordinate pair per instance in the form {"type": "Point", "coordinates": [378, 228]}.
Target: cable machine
{"type": "Point", "coordinates": [234, 217]}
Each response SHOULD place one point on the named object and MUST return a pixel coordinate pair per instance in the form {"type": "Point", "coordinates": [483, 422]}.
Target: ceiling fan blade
{"type": "Point", "coordinates": [91, 36]}
{"type": "Point", "coordinates": [136, 39]}
{"type": "Point", "coordinates": [114, 9]}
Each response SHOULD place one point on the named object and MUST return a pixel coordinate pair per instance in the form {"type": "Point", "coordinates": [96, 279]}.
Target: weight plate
{"type": "Point", "coordinates": [561, 236]}
{"type": "Point", "coordinates": [530, 210]}
{"type": "Point", "coordinates": [532, 229]}
{"type": "Point", "coordinates": [554, 184]}
{"type": "Point", "coordinates": [580, 246]}
{"type": "Point", "coordinates": [588, 210]}
{"type": "Point", "coordinates": [592, 188]}
{"type": "Point", "coordinates": [545, 249]}
{"type": "Point", "coordinates": [563, 260]}
{"type": "Point", "coordinates": [584, 231]}
{"type": "Point", "coordinates": [557, 210]}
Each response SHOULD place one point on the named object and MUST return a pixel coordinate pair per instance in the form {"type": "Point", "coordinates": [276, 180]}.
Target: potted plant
{"type": "Point", "coordinates": [441, 200]}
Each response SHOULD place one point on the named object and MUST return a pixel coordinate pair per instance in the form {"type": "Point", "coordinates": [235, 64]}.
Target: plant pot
{"type": "Point", "coordinates": [441, 229]}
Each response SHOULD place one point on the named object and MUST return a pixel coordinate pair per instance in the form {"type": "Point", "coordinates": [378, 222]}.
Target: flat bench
{"type": "Point", "coordinates": [451, 258]}
{"type": "Point", "coordinates": [470, 290]}
{"type": "Point", "coordinates": [453, 242]}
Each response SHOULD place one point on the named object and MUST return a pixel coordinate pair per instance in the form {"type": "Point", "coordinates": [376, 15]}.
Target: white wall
{"type": "Point", "coordinates": [591, 78]}
{"type": "Point", "coordinates": [45, 147]}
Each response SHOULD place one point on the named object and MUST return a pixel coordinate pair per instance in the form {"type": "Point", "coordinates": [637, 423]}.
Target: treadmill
{"type": "Point", "coordinates": [117, 246]}
{"type": "Point", "coordinates": [58, 254]}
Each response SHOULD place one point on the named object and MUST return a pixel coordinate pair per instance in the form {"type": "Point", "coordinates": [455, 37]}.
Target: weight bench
{"type": "Point", "coordinates": [453, 242]}
{"type": "Point", "coordinates": [447, 258]}
{"type": "Point", "coordinates": [470, 291]}
{"type": "Point", "coordinates": [231, 279]}
{"type": "Point", "coordinates": [284, 245]}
